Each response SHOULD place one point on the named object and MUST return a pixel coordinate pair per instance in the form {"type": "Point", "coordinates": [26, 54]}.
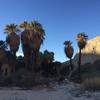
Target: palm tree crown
{"type": "Point", "coordinates": [25, 25]}
{"type": "Point", "coordinates": [13, 40]}
{"type": "Point", "coordinates": [11, 28]}
{"type": "Point", "coordinates": [68, 49]}
{"type": "Point", "coordinates": [38, 29]}
{"type": "Point", "coordinates": [81, 39]}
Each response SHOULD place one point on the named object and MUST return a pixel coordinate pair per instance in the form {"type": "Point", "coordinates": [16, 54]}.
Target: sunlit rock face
{"type": "Point", "coordinates": [90, 53]}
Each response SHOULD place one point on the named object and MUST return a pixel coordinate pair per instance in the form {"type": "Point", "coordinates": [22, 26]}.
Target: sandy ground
{"type": "Point", "coordinates": [65, 91]}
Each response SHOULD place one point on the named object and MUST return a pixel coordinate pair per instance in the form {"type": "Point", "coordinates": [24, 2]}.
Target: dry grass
{"type": "Point", "coordinates": [92, 83]}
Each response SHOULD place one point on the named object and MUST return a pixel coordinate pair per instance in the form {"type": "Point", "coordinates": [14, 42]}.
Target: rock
{"type": "Point", "coordinates": [90, 53]}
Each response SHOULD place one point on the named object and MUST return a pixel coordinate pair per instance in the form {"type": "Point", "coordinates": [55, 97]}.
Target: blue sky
{"type": "Point", "coordinates": [61, 19]}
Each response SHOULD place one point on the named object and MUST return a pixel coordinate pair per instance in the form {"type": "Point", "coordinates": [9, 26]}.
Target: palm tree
{"type": "Point", "coordinates": [81, 41]}
{"type": "Point", "coordinates": [32, 37]}
{"type": "Point", "coordinates": [38, 29]}
{"type": "Point", "coordinates": [37, 35]}
{"type": "Point", "coordinates": [25, 41]}
{"type": "Point", "coordinates": [13, 40]}
{"type": "Point", "coordinates": [68, 49]}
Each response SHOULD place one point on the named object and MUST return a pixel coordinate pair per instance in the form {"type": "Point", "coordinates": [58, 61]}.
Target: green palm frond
{"type": "Point", "coordinates": [68, 49]}
{"type": "Point", "coordinates": [82, 40]}
{"type": "Point", "coordinates": [37, 27]}
{"type": "Point", "coordinates": [68, 42]}
{"type": "Point", "coordinates": [82, 35]}
{"type": "Point", "coordinates": [10, 28]}
{"type": "Point", "coordinates": [25, 25]}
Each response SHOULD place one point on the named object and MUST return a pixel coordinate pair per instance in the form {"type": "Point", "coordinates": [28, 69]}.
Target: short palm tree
{"type": "Point", "coordinates": [68, 49]}
{"type": "Point", "coordinates": [47, 63]}
{"type": "Point", "coordinates": [13, 40]}
{"type": "Point", "coordinates": [81, 41]}
{"type": "Point", "coordinates": [48, 56]}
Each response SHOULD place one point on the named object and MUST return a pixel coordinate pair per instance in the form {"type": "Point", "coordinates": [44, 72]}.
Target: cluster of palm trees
{"type": "Point", "coordinates": [32, 36]}
{"type": "Point", "coordinates": [69, 51]}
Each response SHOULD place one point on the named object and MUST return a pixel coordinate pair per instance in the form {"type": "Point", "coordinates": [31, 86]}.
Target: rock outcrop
{"type": "Point", "coordinates": [90, 53]}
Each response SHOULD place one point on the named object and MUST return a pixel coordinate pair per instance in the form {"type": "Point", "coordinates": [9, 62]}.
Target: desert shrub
{"type": "Point", "coordinates": [20, 63]}
{"type": "Point", "coordinates": [86, 67]}
{"type": "Point", "coordinates": [91, 74]}
{"type": "Point", "coordinates": [27, 80]}
{"type": "Point", "coordinates": [23, 78]}
{"type": "Point", "coordinates": [97, 65]}
{"type": "Point", "coordinates": [91, 83]}
{"type": "Point", "coordinates": [6, 81]}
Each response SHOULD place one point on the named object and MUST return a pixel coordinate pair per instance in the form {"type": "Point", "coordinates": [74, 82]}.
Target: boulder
{"type": "Point", "coordinates": [90, 53]}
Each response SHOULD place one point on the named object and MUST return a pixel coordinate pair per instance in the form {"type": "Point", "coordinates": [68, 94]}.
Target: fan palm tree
{"type": "Point", "coordinates": [38, 29]}
{"type": "Point", "coordinates": [25, 41]}
{"type": "Point", "coordinates": [13, 40]}
{"type": "Point", "coordinates": [81, 41]}
{"type": "Point", "coordinates": [68, 49]}
{"type": "Point", "coordinates": [32, 37]}
{"type": "Point", "coordinates": [37, 35]}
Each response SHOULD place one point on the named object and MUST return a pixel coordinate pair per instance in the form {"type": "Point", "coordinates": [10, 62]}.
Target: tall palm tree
{"type": "Point", "coordinates": [32, 37]}
{"type": "Point", "coordinates": [25, 41]}
{"type": "Point", "coordinates": [68, 49]}
{"type": "Point", "coordinates": [13, 40]}
{"type": "Point", "coordinates": [38, 29]}
{"type": "Point", "coordinates": [37, 35]}
{"type": "Point", "coordinates": [81, 41]}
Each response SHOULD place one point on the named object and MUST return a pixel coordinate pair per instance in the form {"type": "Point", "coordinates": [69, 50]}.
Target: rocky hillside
{"type": "Point", "coordinates": [91, 52]}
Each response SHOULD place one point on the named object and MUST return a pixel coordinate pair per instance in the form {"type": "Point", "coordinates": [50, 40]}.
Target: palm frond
{"type": "Point", "coordinates": [68, 42]}
{"type": "Point", "coordinates": [82, 40]}
{"type": "Point", "coordinates": [25, 25]}
{"type": "Point", "coordinates": [10, 28]}
{"type": "Point", "coordinates": [37, 27]}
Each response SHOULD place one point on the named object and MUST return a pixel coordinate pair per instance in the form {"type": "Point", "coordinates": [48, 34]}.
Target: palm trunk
{"type": "Point", "coordinates": [33, 60]}
{"type": "Point", "coordinates": [79, 63]}
{"type": "Point", "coordinates": [14, 65]}
{"type": "Point", "coordinates": [70, 69]}
{"type": "Point", "coordinates": [34, 64]}
{"type": "Point", "coordinates": [71, 65]}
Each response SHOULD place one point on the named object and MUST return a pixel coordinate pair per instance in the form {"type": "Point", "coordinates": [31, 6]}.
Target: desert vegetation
{"type": "Point", "coordinates": [37, 67]}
